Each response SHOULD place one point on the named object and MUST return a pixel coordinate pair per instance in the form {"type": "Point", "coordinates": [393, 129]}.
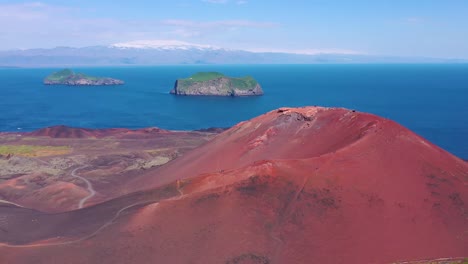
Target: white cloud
{"type": "Point", "coordinates": [39, 25]}
{"type": "Point", "coordinates": [215, 1]}
{"type": "Point", "coordinates": [185, 33]}
{"type": "Point", "coordinates": [238, 2]}
{"type": "Point", "coordinates": [44, 25]}
{"type": "Point", "coordinates": [191, 28]}
{"type": "Point", "coordinates": [413, 20]}
{"type": "Point", "coordinates": [29, 11]}
{"type": "Point", "coordinates": [220, 23]}
{"type": "Point", "coordinates": [36, 24]}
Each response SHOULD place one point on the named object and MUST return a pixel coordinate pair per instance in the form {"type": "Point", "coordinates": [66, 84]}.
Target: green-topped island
{"type": "Point", "coordinates": [68, 77]}
{"type": "Point", "coordinates": [217, 84]}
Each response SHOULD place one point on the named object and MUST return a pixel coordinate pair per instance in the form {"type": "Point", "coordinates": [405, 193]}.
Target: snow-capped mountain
{"type": "Point", "coordinates": [162, 45]}
{"type": "Point", "coordinates": [158, 52]}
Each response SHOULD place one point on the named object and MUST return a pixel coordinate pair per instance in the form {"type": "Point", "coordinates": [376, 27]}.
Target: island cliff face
{"type": "Point", "coordinates": [68, 77]}
{"type": "Point", "coordinates": [216, 84]}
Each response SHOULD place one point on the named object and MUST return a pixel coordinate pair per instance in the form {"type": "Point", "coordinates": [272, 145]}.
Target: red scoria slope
{"type": "Point", "coordinates": [307, 185]}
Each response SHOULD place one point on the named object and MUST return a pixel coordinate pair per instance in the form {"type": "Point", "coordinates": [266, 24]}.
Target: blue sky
{"type": "Point", "coordinates": [429, 28]}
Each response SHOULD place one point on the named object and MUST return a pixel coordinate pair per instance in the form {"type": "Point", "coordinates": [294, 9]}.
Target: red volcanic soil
{"type": "Point", "coordinates": [298, 133]}
{"type": "Point", "coordinates": [307, 185]}
{"type": "Point", "coordinates": [72, 132]}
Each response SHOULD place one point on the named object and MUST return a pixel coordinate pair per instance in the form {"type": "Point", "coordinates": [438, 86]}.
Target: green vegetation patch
{"type": "Point", "coordinates": [246, 83]}
{"type": "Point", "coordinates": [198, 77]}
{"type": "Point", "coordinates": [205, 76]}
{"type": "Point", "coordinates": [79, 76]}
{"type": "Point", "coordinates": [69, 75]}
{"type": "Point", "coordinates": [60, 75]}
{"type": "Point", "coordinates": [33, 150]}
{"type": "Point", "coordinates": [243, 83]}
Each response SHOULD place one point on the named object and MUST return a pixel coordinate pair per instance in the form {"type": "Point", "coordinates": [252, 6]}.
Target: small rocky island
{"type": "Point", "coordinates": [68, 77]}
{"type": "Point", "coordinates": [217, 84]}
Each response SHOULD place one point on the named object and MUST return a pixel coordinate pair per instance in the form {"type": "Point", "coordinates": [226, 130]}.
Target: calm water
{"type": "Point", "coordinates": [432, 100]}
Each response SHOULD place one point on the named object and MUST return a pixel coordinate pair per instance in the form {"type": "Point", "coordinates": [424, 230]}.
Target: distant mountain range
{"type": "Point", "coordinates": [176, 52]}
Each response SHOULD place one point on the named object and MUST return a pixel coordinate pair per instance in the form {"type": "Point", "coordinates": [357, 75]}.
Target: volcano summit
{"type": "Point", "coordinates": [295, 185]}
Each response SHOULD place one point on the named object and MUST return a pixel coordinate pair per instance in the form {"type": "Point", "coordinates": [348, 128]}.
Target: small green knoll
{"type": "Point", "coordinates": [60, 75]}
{"type": "Point", "coordinates": [68, 77]}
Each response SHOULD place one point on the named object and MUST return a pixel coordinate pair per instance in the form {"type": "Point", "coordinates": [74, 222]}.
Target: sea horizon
{"type": "Point", "coordinates": [409, 94]}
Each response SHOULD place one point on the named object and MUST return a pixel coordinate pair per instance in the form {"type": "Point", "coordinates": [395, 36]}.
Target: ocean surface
{"type": "Point", "coordinates": [430, 99]}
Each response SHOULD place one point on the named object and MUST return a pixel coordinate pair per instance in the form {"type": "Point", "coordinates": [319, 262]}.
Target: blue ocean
{"type": "Point", "coordinates": [430, 99]}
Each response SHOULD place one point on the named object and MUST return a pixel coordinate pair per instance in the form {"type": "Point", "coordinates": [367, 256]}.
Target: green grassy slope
{"type": "Point", "coordinates": [60, 75]}
{"type": "Point", "coordinates": [246, 83]}
{"type": "Point", "coordinates": [67, 74]}
{"type": "Point", "coordinates": [205, 76]}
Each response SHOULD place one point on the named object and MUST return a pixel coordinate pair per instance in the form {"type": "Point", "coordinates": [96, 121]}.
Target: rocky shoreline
{"type": "Point", "coordinates": [86, 82]}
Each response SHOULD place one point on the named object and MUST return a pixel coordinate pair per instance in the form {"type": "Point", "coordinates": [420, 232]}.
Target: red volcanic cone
{"type": "Point", "coordinates": [306, 185]}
